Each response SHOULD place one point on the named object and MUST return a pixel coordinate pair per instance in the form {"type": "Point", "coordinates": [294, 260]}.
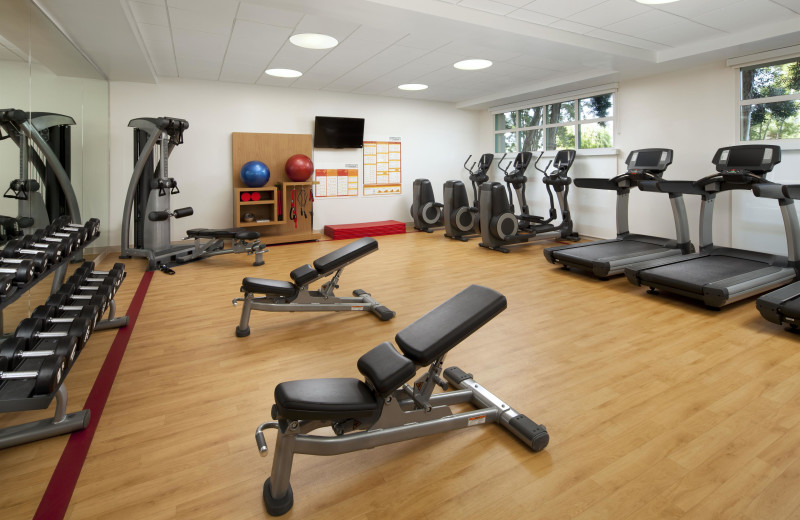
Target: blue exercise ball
{"type": "Point", "coordinates": [254, 174]}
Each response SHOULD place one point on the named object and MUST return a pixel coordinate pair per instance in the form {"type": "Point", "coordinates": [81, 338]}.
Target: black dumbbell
{"type": "Point", "coordinates": [68, 301]}
{"type": "Point", "coordinates": [92, 226]}
{"type": "Point", "coordinates": [85, 273]}
{"type": "Point", "coordinates": [15, 248]}
{"type": "Point", "coordinates": [75, 286]}
{"type": "Point", "coordinates": [40, 236]}
{"type": "Point", "coordinates": [89, 266]}
{"type": "Point", "coordinates": [40, 262]}
{"type": "Point", "coordinates": [46, 380]}
{"type": "Point", "coordinates": [13, 351]}
{"type": "Point", "coordinates": [50, 313]}
{"type": "Point", "coordinates": [22, 272]}
{"type": "Point", "coordinates": [6, 285]}
{"type": "Point", "coordinates": [80, 233]}
{"type": "Point", "coordinates": [32, 329]}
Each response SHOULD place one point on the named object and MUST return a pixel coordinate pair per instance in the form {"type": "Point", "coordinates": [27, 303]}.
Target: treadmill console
{"type": "Point", "coordinates": [651, 160]}
{"type": "Point", "coordinates": [757, 159]}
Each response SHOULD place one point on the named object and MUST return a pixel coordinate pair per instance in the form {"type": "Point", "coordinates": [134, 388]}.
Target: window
{"type": "Point", "coordinates": [578, 123]}
{"type": "Point", "coordinates": [769, 101]}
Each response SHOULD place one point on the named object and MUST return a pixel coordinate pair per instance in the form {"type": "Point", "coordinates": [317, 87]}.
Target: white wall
{"type": "Point", "coordinates": [694, 113]}
{"type": "Point", "coordinates": [436, 138]}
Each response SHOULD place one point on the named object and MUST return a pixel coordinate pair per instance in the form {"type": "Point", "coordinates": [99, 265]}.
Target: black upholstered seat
{"type": "Point", "coordinates": [385, 368]}
{"type": "Point", "coordinates": [447, 325]}
{"type": "Point", "coordinates": [304, 274]}
{"type": "Point", "coordinates": [332, 399]}
{"type": "Point", "coordinates": [229, 233]}
{"type": "Point", "coordinates": [266, 286]}
{"type": "Point", "coordinates": [344, 255]}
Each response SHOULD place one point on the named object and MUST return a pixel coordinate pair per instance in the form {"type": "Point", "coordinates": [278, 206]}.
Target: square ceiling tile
{"type": "Point", "coordinates": [609, 12]}
{"type": "Point", "coordinates": [742, 15]}
{"type": "Point", "coordinates": [488, 6]}
{"type": "Point", "coordinates": [155, 14]}
{"type": "Point", "coordinates": [268, 15]}
{"type": "Point", "coordinates": [561, 8]}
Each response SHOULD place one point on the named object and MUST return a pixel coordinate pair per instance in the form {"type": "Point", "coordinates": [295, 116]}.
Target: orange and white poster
{"type": "Point", "coordinates": [336, 182]}
{"type": "Point", "coordinates": [382, 167]}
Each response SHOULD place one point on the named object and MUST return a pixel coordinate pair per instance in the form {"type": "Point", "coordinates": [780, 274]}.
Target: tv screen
{"type": "Point", "coordinates": [338, 132]}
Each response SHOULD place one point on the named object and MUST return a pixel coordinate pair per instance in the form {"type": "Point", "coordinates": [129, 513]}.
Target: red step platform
{"type": "Point", "coordinates": [365, 229]}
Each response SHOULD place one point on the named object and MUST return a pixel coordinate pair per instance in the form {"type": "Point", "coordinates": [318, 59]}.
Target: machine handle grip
{"type": "Point", "coordinates": [260, 441]}
{"type": "Point", "coordinates": [771, 191]}
{"type": "Point", "coordinates": [183, 212]}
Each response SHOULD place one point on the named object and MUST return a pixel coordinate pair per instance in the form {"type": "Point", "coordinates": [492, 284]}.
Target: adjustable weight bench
{"type": "Point", "coordinates": [384, 408]}
{"type": "Point", "coordinates": [280, 296]}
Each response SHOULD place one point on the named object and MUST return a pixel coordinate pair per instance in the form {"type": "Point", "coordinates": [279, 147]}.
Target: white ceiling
{"type": "Point", "coordinates": [537, 47]}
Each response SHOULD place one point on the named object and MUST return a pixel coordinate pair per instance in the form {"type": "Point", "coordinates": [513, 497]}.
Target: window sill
{"type": "Point", "coordinates": [785, 144]}
{"type": "Point", "coordinates": [586, 152]}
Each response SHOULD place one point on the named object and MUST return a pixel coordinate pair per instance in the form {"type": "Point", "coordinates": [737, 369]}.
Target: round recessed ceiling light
{"type": "Point", "coordinates": [656, 1]}
{"type": "Point", "coordinates": [473, 64]}
{"type": "Point", "coordinates": [412, 86]}
{"type": "Point", "coordinates": [314, 41]}
{"type": "Point", "coordinates": [284, 73]}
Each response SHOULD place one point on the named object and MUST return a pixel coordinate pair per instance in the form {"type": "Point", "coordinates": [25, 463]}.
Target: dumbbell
{"type": "Point", "coordinates": [22, 272]}
{"type": "Point", "coordinates": [92, 226]}
{"type": "Point", "coordinates": [115, 275]}
{"type": "Point", "coordinates": [41, 236]}
{"type": "Point", "coordinates": [82, 280]}
{"type": "Point", "coordinates": [50, 313]}
{"type": "Point", "coordinates": [32, 329]}
{"type": "Point", "coordinates": [67, 301]}
{"type": "Point", "coordinates": [46, 380]}
{"type": "Point", "coordinates": [40, 262]}
{"type": "Point", "coordinates": [13, 351]}
{"type": "Point", "coordinates": [6, 285]}
{"type": "Point", "coordinates": [15, 248]}
{"type": "Point", "coordinates": [79, 234]}
{"type": "Point", "coordinates": [72, 287]}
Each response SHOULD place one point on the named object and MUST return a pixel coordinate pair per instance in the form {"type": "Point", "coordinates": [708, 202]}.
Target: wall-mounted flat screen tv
{"type": "Point", "coordinates": [338, 132]}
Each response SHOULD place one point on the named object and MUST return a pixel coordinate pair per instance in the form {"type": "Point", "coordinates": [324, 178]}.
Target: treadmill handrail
{"type": "Point", "coordinates": [771, 191]}
{"type": "Point", "coordinates": [684, 187]}
{"type": "Point", "coordinates": [792, 191]}
{"type": "Point", "coordinates": [596, 184]}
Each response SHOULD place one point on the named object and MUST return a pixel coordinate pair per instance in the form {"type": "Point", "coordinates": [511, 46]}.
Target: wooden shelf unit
{"type": "Point", "coordinates": [266, 208]}
{"type": "Point", "coordinates": [273, 150]}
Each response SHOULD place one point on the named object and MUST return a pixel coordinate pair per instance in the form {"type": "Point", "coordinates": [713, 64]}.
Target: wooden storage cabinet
{"type": "Point", "coordinates": [265, 209]}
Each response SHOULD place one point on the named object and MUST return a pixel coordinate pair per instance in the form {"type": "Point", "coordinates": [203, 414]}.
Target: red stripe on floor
{"type": "Point", "coordinates": [62, 484]}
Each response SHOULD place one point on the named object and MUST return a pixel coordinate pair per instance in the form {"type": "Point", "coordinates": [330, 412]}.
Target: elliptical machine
{"type": "Point", "coordinates": [501, 227]}
{"type": "Point", "coordinates": [425, 211]}
{"type": "Point", "coordinates": [462, 220]}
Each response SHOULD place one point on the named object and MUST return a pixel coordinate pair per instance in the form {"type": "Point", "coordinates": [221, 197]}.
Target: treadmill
{"type": "Point", "coordinates": [606, 258]}
{"type": "Point", "coordinates": [722, 275]}
{"type": "Point", "coordinates": [783, 305]}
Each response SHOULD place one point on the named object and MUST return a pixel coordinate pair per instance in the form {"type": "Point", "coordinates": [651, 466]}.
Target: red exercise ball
{"type": "Point", "coordinates": [299, 168]}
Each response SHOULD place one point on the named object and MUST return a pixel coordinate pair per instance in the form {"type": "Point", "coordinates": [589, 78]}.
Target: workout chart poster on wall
{"type": "Point", "coordinates": [336, 182]}
{"type": "Point", "coordinates": [382, 167]}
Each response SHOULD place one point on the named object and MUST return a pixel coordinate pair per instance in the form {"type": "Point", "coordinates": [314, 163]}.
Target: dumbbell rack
{"type": "Point", "coordinates": [17, 395]}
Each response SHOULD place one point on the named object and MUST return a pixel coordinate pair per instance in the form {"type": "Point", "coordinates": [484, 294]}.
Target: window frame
{"type": "Point", "coordinates": [757, 61]}
{"type": "Point", "coordinates": [573, 98]}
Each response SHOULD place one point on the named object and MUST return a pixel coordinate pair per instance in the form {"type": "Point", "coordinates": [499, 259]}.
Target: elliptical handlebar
{"type": "Point", "coordinates": [471, 167]}
{"type": "Point", "coordinates": [500, 164]}
{"type": "Point", "coordinates": [536, 164]}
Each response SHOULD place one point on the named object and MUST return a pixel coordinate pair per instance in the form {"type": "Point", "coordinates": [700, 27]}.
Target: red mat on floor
{"type": "Point", "coordinates": [365, 229]}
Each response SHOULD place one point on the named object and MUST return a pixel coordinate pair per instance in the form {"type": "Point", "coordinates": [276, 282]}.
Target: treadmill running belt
{"type": "Point", "coordinates": [596, 252]}
{"type": "Point", "coordinates": [692, 275]}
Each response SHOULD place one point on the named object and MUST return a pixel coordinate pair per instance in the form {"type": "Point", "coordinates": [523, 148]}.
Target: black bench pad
{"type": "Point", "coordinates": [447, 325]}
{"type": "Point", "coordinates": [385, 368]}
{"type": "Point", "coordinates": [229, 233]}
{"type": "Point", "coordinates": [266, 286]}
{"type": "Point", "coordinates": [304, 275]}
{"type": "Point", "coordinates": [344, 255]}
{"type": "Point", "coordinates": [332, 399]}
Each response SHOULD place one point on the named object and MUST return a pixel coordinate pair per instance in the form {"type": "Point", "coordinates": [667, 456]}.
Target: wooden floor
{"type": "Point", "coordinates": [656, 406]}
